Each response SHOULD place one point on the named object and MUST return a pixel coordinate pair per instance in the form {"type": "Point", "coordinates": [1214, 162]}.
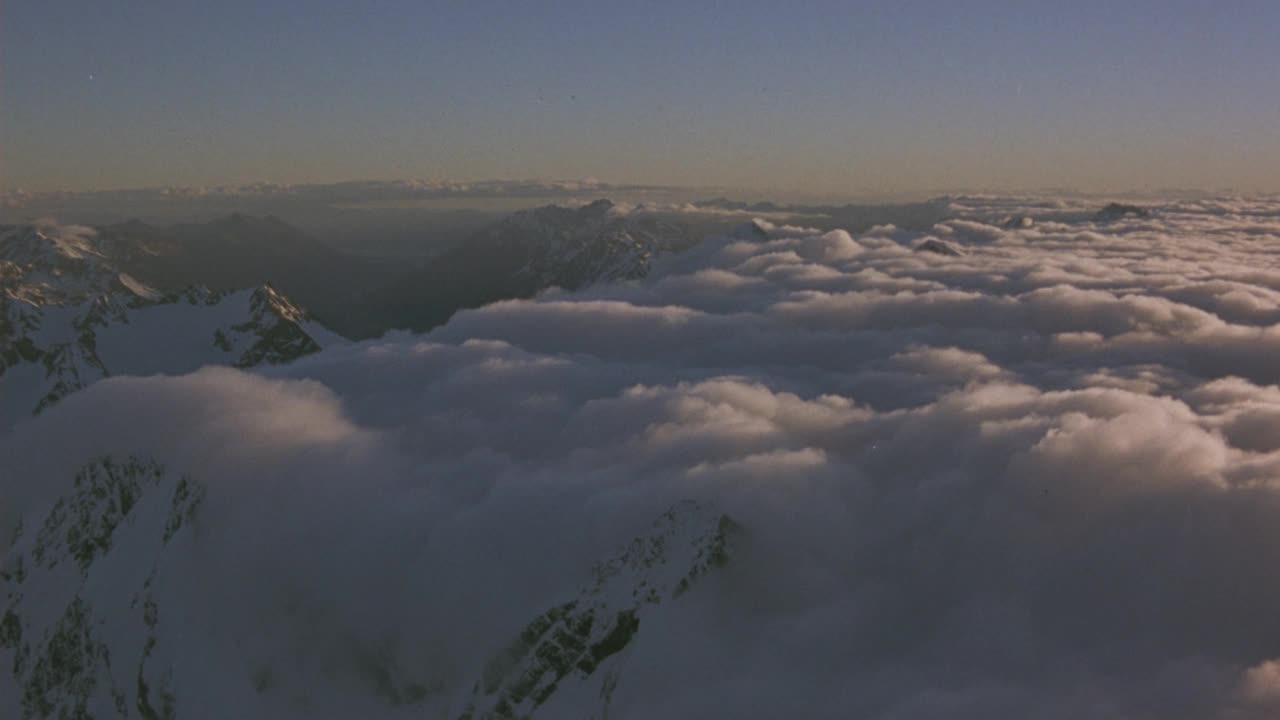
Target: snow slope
{"type": "Point", "coordinates": [68, 318]}
{"type": "Point", "coordinates": [97, 619]}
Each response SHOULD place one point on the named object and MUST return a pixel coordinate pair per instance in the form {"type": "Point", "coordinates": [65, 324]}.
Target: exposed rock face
{"type": "Point", "coordinates": [580, 642]}
{"type": "Point", "coordinates": [81, 624]}
{"type": "Point", "coordinates": [273, 332]}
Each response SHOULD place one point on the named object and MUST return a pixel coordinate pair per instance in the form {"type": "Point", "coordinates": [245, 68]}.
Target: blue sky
{"type": "Point", "coordinates": [820, 97]}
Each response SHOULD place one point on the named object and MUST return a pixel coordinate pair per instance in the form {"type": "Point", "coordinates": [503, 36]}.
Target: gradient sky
{"type": "Point", "coordinates": [818, 97]}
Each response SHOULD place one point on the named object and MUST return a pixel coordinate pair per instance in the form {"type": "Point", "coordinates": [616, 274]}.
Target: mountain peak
{"type": "Point", "coordinates": [1115, 211]}
{"type": "Point", "coordinates": [938, 247]}
{"type": "Point", "coordinates": [76, 583]}
{"type": "Point", "coordinates": [42, 243]}
{"type": "Point", "coordinates": [579, 642]}
{"type": "Point", "coordinates": [601, 206]}
{"type": "Point", "coordinates": [72, 314]}
{"type": "Point", "coordinates": [751, 230]}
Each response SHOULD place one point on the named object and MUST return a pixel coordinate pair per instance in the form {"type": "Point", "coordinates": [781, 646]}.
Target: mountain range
{"type": "Point", "coordinates": [240, 251]}
{"type": "Point", "coordinates": [529, 251]}
{"type": "Point", "coordinates": [96, 622]}
{"type": "Point", "coordinates": [97, 619]}
{"type": "Point", "coordinates": [78, 304]}
{"type": "Point", "coordinates": [70, 315]}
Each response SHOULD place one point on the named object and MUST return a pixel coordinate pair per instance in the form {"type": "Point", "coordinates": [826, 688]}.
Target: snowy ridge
{"type": "Point", "coordinates": [574, 649]}
{"type": "Point", "coordinates": [94, 621]}
{"type": "Point", "coordinates": [81, 626]}
{"type": "Point", "coordinates": [70, 317]}
{"type": "Point", "coordinates": [46, 265]}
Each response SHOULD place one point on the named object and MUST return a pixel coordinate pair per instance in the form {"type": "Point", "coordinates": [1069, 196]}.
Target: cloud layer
{"type": "Point", "coordinates": [310, 197]}
{"type": "Point", "coordinates": [1036, 479]}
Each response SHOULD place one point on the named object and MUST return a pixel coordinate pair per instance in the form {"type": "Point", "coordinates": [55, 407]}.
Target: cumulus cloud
{"type": "Point", "coordinates": [1038, 479]}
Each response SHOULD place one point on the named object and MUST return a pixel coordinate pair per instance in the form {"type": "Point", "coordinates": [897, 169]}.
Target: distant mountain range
{"type": "Point", "coordinates": [360, 295]}
{"type": "Point", "coordinates": [529, 251]}
{"type": "Point", "coordinates": [78, 304]}
{"type": "Point", "coordinates": [366, 293]}
{"type": "Point", "coordinates": [239, 251]}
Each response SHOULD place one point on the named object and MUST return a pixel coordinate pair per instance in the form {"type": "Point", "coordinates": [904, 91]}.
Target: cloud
{"type": "Point", "coordinates": [709, 211]}
{"type": "Point", "coordinates": [1037, 480]}
{"type": "Point", "coordinates": [350, 192]}
{"type": "Point", "coordinates": [315, 204]}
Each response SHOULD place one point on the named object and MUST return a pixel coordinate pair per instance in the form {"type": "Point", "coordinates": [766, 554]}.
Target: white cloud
{"type": "Point", "coordinates": [1038, 480]}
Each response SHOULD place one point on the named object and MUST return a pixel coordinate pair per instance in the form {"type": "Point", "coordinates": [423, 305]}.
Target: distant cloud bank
{"type": "Point", "coordinates": [251, 196]}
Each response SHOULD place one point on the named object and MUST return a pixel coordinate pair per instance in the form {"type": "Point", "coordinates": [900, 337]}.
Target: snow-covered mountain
{"type": "Point", "coordinates": [81, 631]}
{"type": "Point", "coordinates": [61, 265]}
{"type": "Point", "coordinates": [70, 316]}
{"type": "Point", "coordinates": [571, 657]}
{"type": "Point", "coordinates": [96, 619]}
{"type": "Point", "coordinates": [530, 251]}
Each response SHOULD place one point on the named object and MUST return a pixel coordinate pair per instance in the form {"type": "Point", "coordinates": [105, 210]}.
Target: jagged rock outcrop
{"type": "Point", "coordinates": [273, 332]}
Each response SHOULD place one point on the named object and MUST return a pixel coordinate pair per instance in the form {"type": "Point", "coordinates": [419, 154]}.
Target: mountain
{"type": "Point", "coordinates": [69, 317]}
{"type": "Point", "coordinates": [96, 620]}
{"type": "Point", "coordinates": [59, 265]}
{"type": "Point", "coordinates": [239, 251]}
{"type": "Point", "coordinates": [81, 632]}
{"type": "Point", "coordinates": [938, 247]}
{"type": "Point", "coordinates": [575, 650]}
{"type": "Point", "coordinates": [751, 231]}
{"type": "Point", "coordinates": [1116, 211]}
{"type": "Point", "coordinates": [530, 251]}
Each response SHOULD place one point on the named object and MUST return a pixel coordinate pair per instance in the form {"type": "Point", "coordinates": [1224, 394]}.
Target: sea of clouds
{"type": "Point", "coordinates": [1040, 478]}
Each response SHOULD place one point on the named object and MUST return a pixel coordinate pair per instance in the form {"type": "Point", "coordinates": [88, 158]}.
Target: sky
{"type": "Point", "coordinates": [817, 98]}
